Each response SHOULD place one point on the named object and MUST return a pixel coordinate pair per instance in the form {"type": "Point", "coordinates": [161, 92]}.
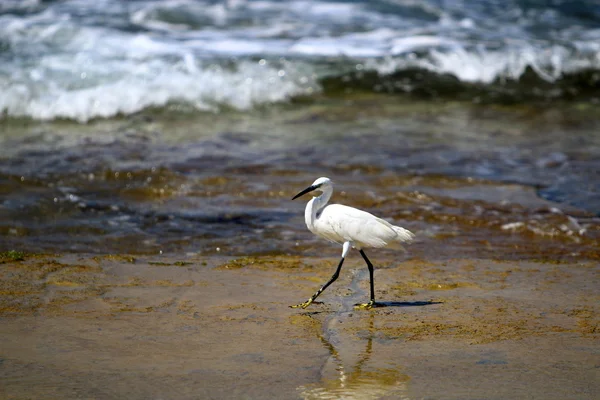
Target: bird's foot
{"type": "Point", "coordinates": [366, 306]}
{"type": "Point", "coordinates": [303, 305]}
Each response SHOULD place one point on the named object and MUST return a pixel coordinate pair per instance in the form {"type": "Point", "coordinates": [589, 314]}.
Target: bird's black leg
{"type": "Point", "coordinates": [371, 270]}
{"type": "Point", "coordinates": [314, 296]}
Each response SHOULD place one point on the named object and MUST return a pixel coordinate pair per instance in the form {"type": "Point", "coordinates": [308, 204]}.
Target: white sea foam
{"type": "Point", "coordinates": [82, 60]}
{"type": "Point", "coordinates": [205, 89]}
{"type": "Point", "coordinates": [336, 47]}
{"type": "Point", "coordinates": [482, 66]}
{"type": "Point", "coordinates": [100, 72]}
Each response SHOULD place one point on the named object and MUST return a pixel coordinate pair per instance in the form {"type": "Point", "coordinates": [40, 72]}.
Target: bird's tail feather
{"type": "Point", "coordinates": [404, 235]}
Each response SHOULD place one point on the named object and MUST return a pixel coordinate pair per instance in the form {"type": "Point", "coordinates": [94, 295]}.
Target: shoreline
{"type": "Point", "coordinates": [106, 326]}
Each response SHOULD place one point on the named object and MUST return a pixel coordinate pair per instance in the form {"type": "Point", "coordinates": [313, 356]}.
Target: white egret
{"type": "Point", "coordinates": [349, 227]}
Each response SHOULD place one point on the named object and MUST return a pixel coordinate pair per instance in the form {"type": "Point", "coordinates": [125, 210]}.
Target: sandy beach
{"type": "Point", "coordinates": [168, 327]}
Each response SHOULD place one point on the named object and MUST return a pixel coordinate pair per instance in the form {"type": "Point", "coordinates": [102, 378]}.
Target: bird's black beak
{"type": "Point", "coordinates": [308, 189]}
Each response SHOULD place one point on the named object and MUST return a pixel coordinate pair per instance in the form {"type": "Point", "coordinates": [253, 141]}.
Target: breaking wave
{"type": "Point", "coordinates": [84, 60]}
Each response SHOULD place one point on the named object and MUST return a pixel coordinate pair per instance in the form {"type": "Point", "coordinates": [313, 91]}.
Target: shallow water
{"type": "Point", "coordinates": [507, 181]}
{"type": "Point", "coordinates": [476, 127]}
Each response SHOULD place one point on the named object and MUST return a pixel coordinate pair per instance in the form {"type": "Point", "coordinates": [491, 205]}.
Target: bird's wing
{"type": "Point", "coordinates": [342, 223]}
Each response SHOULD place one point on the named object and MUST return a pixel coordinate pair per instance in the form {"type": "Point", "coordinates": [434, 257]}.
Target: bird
{"type": "Point", "coordinates": [350, 227]}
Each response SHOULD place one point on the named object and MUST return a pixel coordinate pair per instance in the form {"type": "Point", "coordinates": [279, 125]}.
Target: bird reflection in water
{"type": "Point", "coordinates": [353, 374]}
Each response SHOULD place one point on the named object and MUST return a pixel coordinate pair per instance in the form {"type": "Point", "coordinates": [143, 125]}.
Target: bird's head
{"type": "Point", "coordinates": [320, 184]}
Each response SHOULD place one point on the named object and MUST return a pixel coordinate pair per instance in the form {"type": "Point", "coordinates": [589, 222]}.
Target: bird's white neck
{"type": "Point", "coordinates": [315, 206]}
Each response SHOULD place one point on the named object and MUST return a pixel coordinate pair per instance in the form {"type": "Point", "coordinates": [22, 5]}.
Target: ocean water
{"type": "Point", "coordinates": [148, 126]}
{"type": "Point", "coordinates": [82, 60]}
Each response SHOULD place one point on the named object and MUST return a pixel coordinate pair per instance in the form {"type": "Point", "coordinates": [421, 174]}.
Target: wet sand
{"type": "Point", "coordinates": [171, 327]}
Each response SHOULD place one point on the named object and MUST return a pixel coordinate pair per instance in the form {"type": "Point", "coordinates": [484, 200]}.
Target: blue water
{"type": "Point", "coordinates": [82, 60]}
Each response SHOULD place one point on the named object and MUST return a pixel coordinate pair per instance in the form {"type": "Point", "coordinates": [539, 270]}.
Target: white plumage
{"type": "Point", "coordinates": [350, 227]}
{"type": "Point", "coordinates": [339, 224]}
